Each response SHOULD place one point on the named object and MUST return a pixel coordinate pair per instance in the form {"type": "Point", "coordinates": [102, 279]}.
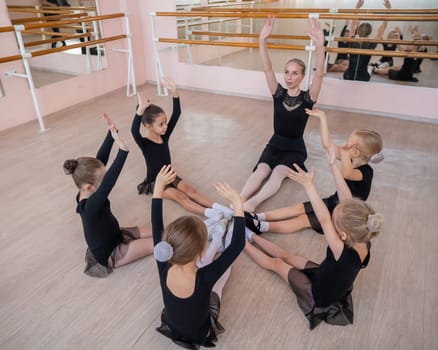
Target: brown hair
{"type": "Point", "coordinates": [83, 170]}
{"type": "Point", "coordinates": [188, 237]}
{"type": "Point", "coordinates": [151, 113]}
{"type": "Point", "coordinates": [358, 220]}
{"type": "Point", "coordinates": [299, 62]}
{"type": "Point", "coordinates": [371, 143]}
{"type": "Point", "coordinates": [364, 30]}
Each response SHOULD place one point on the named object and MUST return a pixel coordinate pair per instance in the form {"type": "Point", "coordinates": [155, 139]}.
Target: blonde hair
{"type": "Point", "coordinates": [83, 170]}
{"type": "Point", "coordinates": [188, 237]}
{"type": "Point", "coordinates": [371, 143]}
{"type": "Point", "coordinates": [358, 220]}
{"type": "Point", "coordinates": [298, 62]}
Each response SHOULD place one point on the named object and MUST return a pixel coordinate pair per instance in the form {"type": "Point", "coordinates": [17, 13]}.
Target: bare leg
{"type": "Point", "coordinates": [269, 188]}
{"type": "Point", "coordinates": [290, 226]}
{"type": "Point", "coordinates": [275, 251]}
{"type": "Point", "coordinates": [193, 194]}
{"type": "Point", "coordinates": [137, 249]}
{"type": "Point", "coordinates": [284, 213]}
{"type": "Point", "coordinates": [145, 231]}
{"type": "Point", "coordinates": [276, 265]}
{"type": "Point", "coordinates": [183, 200]}
{"type": "Point", "coordinates": [255, 180]}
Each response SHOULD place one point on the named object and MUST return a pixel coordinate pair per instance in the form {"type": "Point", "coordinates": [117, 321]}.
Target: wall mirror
{"type": "Point", "coordinates": [215, 29]}
{"type": "Point", "coordinates": [56, 66]}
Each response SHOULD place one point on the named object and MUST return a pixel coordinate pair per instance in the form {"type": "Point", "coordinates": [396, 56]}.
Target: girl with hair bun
{"type": "Point", "coordinates": [109, 245]}
{"type": "Point", "coordinates": [156, 152]}
{"type": "Point", "coordinates": [323, 290]}
{"type": "Point", "coordinates": [192, 294]}
{"type": "Point", "coordinates": [362, 147]}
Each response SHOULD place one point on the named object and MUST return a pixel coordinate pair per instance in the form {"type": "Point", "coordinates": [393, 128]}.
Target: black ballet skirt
{"type": "Point", "coordinates": [215, 328]}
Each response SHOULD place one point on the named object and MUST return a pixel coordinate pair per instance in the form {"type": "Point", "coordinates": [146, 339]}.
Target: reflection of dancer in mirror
{"type": "Point", "coordinates": [109, 245]}
{"type": "Point", "coordinates": [56, 29]}
{"type": "Point", "coordinates": [323, 290]}
{"type": "Point", "coordinates": [363, 146]}
{"type": "Point", "coordinates": [358, 64]}
{"type": "Point", "coordinates": [341, 62]}
{"type": "Point", "coordinates": [191, 293]}
{"type": "Point", "coordinates": [387, 61]}
{"type": "Point", "coordinates": [286, 146]}
{"type": "Point", "coordinates": [410, 65]}
{"type": "Point", "coordinates": [156, 152]}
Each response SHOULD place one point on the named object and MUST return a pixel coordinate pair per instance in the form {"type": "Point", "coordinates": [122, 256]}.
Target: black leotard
{"type": "Point", "coordinates": [189, 318]}
{"type": "Point", "coordinates": [287, 145]}
{"type": "Point", "coordinates": [332, 280]}
{"type": "Point", "coordinates": [358, 64]}
{"type": "Point", "coordinates": [155, 154]}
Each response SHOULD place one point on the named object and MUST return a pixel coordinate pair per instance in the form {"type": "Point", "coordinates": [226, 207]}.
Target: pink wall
{"type": "Point", "coordinates": [391, 100]}
{"type": "Point", "coordinates": [17, 107]}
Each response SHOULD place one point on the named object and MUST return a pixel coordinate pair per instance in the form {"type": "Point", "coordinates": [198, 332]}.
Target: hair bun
{"type": "Point", "coordinates": [163, 251]}
{"type": "Point", "coordinates": [375, 222]}
{"type": "Point", "coordinates": [70, 166]}
{"type": "Point", "coordinates": [377, 158]}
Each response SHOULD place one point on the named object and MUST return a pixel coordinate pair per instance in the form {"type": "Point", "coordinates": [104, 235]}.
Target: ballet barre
{"type": "Point", "coordinates": [411, 54]}
{"type": "Point", "coordinates": [297, 15]}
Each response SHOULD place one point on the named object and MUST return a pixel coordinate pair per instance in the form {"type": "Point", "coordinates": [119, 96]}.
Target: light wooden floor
{"type": "Point", "coordinates": [46, 302]}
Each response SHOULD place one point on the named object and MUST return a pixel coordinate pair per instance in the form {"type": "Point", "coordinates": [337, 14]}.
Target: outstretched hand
{"type": "Point", "coordinates": [315, 32]}
{"type": "Point", "coordinates": [359, 3]}
{"type": "Point", "coordinates": [232, 195]}
{"type": "Point", "coordinates": [166, 176]}
{"type": "Point", "coordinates": [316, 113]}
{"type": "Point", "coordinates": [143, 102]}
{"type": "Point", "coordinates": [387, 4]}
{"type": "Point", "coordinates": [169, 85]}
{"type": "Point", "coordinates": [115, 132]}
{"type": "Point", "coordinates": [300, 176]}
{"type": "Point", "coordinates": [267, 28]}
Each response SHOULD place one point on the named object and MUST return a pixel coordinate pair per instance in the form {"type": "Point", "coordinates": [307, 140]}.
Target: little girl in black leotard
{"type": "Point", "coordinates": [323, 290]}
{"type": "Point", "coordinates": [156, 152]}
{"type": "Point", "coordinates": [109, 245]}
{"type": "Point", "coordinates": [191, 295]}
{"type": "Point", "coordinates": [362, 146]}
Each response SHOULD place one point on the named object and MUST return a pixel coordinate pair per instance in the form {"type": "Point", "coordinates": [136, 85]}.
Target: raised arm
{"type": "Point", "coordinates": [382, 27]}
{"type": "Point", "coordinates": [164, 177]}
{"type": "Point", "coordinates": [97, 199]}
{"type": "Point", "coordinates": [355, 22]}
{"type": "Point", "coordinates": [216, 269]}
{"type": "Point", "coordinates": [176, 112]}
{"type": "Point", "coordinates": [342, 188]}
{"type": "Point", "coordinates": [266, 61]}
{"type": "Point", "coordinates": [306, 179]}
{"type": "Point", "coordinates": [317, 35]}
{"type": "Point", "coordinates": [143, 103]}
{"type": "Point", "coordinates": [326, 139]}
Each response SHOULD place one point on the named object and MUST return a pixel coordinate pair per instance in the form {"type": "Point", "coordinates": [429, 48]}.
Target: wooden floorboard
{"type": "Point", "coordinates": [46, 302]}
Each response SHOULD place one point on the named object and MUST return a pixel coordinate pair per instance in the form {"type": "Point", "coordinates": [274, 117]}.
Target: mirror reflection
{"type": "Point", "coordinates": [64, 64]}
{"type": "Point", "coordinates": [398, 36]}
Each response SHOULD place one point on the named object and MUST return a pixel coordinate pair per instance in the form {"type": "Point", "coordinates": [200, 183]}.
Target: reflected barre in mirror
{"type": "Point", "coordinates": [403, 40]}
{"type": "Point", "coordinates": [65, 36]}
